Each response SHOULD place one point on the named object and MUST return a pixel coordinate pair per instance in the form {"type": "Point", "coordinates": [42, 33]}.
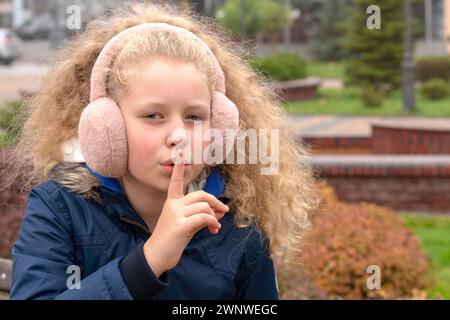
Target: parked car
{"type": "Point", "coordinates": [37, 28]}
{"type": "Point", "coordinates": [9, 46]}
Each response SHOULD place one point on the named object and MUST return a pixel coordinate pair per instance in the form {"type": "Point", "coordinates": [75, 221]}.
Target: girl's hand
{"type": "Point", "coordinates": [182, 216]}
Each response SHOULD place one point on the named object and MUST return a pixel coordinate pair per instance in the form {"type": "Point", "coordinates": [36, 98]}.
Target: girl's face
{"type": "Point", "coordinates": [166, 98]}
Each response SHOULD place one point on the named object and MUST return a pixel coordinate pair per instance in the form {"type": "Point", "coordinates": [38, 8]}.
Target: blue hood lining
{"type": "Point", "coordinates": [215, 183]}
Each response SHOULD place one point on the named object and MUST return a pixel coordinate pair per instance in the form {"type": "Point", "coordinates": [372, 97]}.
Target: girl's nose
{"type": "Point", "coordinates": [178, 137]}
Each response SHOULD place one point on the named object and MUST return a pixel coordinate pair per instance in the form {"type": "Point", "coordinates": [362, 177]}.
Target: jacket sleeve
{"type": "Point", "coordinates": [257, 278]}
{"type": "Point", "coordinates": [44, 252]}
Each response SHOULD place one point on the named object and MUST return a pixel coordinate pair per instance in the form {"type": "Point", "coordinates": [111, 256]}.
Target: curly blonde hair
{"type": "Point", "coordinates": [279, 204]}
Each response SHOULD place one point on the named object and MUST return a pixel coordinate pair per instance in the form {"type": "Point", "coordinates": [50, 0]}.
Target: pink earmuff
{"type": "Point", "coordinates": [101, 130]}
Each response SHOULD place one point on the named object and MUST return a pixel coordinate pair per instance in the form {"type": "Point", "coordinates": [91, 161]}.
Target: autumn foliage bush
{"type": "Point", "coordinates": [344, 241]}
{"type": "Point", "coordinates": [12, 208]}
{"type": "Point", "coordinates": [10, 219]}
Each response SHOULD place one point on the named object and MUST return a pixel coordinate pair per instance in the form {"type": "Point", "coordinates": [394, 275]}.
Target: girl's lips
{"type": "Point", "coordinates": [169, 168]}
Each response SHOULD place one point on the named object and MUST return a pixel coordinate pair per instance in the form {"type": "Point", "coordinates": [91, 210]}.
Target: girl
{"type": "Point", "coordinates": [116, 208]}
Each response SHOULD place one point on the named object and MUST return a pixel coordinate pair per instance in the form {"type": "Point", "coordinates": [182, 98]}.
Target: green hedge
{"type": "Point", "coordinates": [433, 67]}
{"type": "Point", "coordinates": [435, 89]}
{"type": "Point", "coordinates": [282, 66]}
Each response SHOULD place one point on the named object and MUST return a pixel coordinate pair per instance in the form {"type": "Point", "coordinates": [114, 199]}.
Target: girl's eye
{"type": "Point", "coordinates": [195, 117]}
{"type": "Point", "coordinates": [152, 116]}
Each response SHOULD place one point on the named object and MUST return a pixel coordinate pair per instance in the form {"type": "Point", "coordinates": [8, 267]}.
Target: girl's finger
{"type": "Point", "coordinates": [202, 196]}
{"type": "Point", "coordinates": [219, 215]}
{"type": "Point", "coordinates": [203, 207]}
{"type": "Point", "coordinates": [176, 188]}
{"type": "Point", "coordinates": [198, 207]}
{"type": "Point", "coordinates": [197, 222]}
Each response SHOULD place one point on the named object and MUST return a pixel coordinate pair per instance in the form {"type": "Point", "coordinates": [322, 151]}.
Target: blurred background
{"type": "Point", "coordinates": [367, 87]}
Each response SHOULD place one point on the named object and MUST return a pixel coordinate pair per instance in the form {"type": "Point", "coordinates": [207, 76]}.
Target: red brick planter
{"type": "Point", "coordinates": [386, 140]}
{"type": "Point", "coordinates": [398, 140]}
{"type": "Point", "coordinates": [339, 145]}
{"type": "Point", "coordinates": [408, 182]}
{"type": "Point", "coordinates": [297, 90]}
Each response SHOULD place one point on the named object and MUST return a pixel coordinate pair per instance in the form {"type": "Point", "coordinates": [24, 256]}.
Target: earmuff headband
{"type": "Point", "coordinates": [115, 45]}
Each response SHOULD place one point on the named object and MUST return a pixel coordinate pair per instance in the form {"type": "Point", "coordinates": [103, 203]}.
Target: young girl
{"type": "Point", "coordinates": [116, 208]}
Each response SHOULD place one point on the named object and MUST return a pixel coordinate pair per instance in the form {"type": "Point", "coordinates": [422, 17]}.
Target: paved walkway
{"type": "Point", "coordinates": [17, 76]}
{"type": "Point", "coordinates": [332, 83]}
{"type": "Point", "coordinates": [360, 126]}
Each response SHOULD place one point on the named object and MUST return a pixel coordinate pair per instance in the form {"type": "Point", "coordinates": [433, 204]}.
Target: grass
{"type": "Point", "coordinates": [434, 235]}
{"type": "Point", "coordinates": [325, 69]}
{"type": "Point", "coordinates": [4, 139]}
{"type": "Point", "coordinates": [347, 102]}
{"type": "Point", "coordinates": [8, 124]}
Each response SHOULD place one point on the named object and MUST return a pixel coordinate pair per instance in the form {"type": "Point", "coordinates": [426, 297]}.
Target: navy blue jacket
{"type": "Point", "coordinates": [62, 232]}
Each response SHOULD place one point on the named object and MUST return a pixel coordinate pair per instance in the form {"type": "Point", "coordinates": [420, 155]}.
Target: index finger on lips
{"type": "Point", "coordinates": [176, 188]}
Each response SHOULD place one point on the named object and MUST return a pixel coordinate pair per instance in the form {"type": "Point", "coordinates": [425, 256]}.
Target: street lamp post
{"type": "Point", "coordinates": [57, 33]}
{"type": "Point", "coordinates": [408, 68]}
{"type": "Point", "coordinates": [242, 27]}
{"type": "Point", "coordinates": [287, 28]}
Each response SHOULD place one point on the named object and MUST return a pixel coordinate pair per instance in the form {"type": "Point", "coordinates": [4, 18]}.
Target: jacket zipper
{"type": "Point", "coordinates": [136, 224]}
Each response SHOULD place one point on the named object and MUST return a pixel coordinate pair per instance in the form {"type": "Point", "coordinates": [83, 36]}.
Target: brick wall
{"type": "Point", "coordinates": [385, 140]}
{"type": "Point", "coordinates": [339, 145]}
{"type": "Point", "coordinates": [297, 90]}
{"type": "Point", "coordinates": [416, 183]}
{"type": "Point", "coordinates": [390, 140]}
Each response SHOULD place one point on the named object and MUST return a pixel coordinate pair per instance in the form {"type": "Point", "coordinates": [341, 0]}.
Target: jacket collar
{"type": "Point", "coordinates": [215, 183]}
{"type": "Point", "coordinates": [117, 205]}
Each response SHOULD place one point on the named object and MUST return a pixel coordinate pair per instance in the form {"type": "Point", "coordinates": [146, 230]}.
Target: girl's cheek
{"type": "Point", "coordinates": [144, 147]}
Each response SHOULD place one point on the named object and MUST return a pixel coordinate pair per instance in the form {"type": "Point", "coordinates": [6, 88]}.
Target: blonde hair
{"type": "Point", "coordinates": [278, 204]}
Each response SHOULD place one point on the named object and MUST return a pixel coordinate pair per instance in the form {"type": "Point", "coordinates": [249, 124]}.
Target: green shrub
{"type": "Point", "coordinates": [254, 16]}
{"type": "Point", "coordinates": [371, 96]}
{"type": "Point", "coordinates": [282, 66]}
{"type": "Point", "coordinates": [9, 126]}
{"type": "Point", "coordinates": [433, 67]}
{"type": "Point", "coordinates": [344, 241]}
{"type": "Point", "coordinates": [435, 89]}
{"type": "Point", "coordinates": [4, 140]}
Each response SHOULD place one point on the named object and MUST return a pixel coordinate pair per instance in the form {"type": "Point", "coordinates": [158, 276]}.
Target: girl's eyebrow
{"type": "Point", "coordinates": [163, 105]}
{"type": "Point", "coordinates": [149, 104]}
{"type": "Point", "coordinates": [198, 106]}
